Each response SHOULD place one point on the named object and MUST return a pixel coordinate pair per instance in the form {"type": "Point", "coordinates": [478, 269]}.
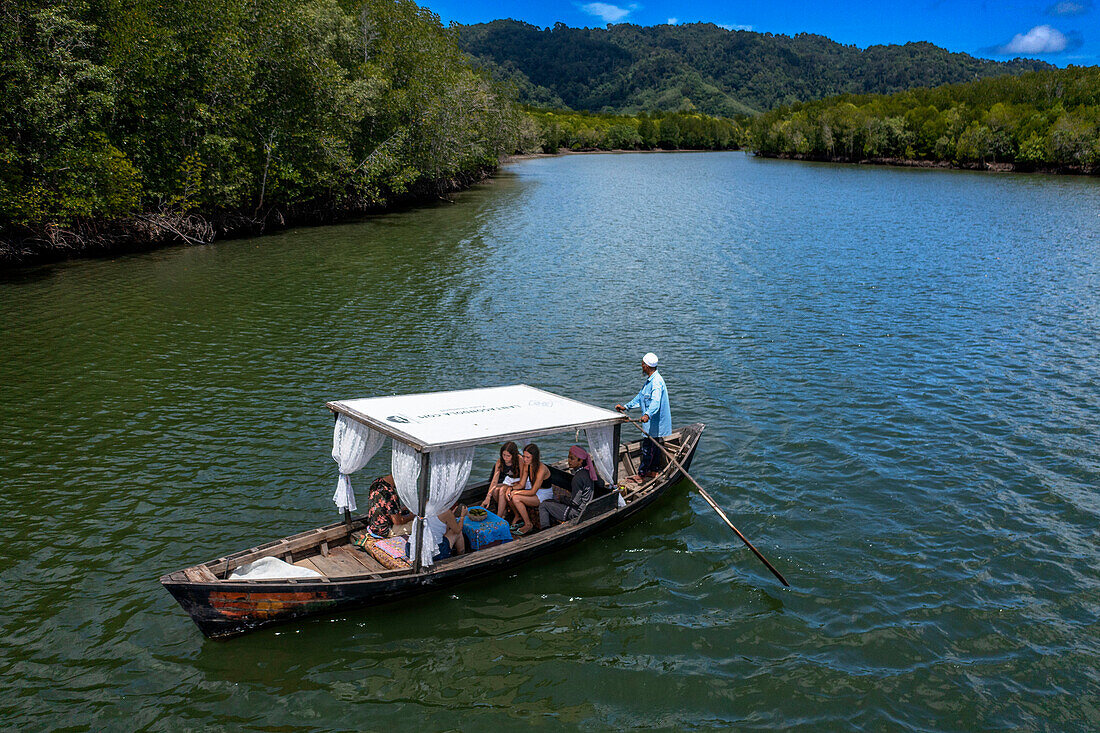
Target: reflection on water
{"type": "Point", "coordinates": [899, 373]}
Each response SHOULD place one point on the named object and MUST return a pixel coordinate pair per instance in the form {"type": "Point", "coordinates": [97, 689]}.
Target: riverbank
{"type": "Point", "coordinates": [596, 151]}
{"type": "Point", "coordinates": [896, 162]}
{"type": "Point", "coordinates": [942, 164]}
{"type": "Point", "coordinates": [152, 230]}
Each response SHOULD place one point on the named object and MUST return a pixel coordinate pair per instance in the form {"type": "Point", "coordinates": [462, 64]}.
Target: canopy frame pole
{"type": "Point", "coordinates": [421, 504]}
{"type": "Point", "coordinates": [615, 457]}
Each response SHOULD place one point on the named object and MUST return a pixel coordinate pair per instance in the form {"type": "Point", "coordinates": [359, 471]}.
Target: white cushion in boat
{"type": "Point", "coordinates": [271, 567]}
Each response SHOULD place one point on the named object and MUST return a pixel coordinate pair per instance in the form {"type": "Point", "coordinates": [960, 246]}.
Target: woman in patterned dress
{"type": "Point", "coordinates": [383, 507]}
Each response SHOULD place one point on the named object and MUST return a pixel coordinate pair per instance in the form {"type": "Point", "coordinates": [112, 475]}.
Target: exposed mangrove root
{"type": "Point", "coordinates": [201, 230]}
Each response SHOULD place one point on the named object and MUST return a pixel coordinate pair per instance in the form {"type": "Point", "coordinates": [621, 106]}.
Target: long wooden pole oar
{"type": "Point", "coordinates": [713, 506]}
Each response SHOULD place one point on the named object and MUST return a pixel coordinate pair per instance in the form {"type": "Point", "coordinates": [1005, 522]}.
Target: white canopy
{"type": "Point", "coordinates": [433, 421]}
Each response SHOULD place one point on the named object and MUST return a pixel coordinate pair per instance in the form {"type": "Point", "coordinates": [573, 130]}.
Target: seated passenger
{"type": "Point", "coordinates": [507, 472]}
{"type": "Point", "coordinates": [384, 507]}
{"type": "Point", "coordinates": [536, 490]}
{"type": "Point", "coordinates": [568, 504]}
{"type": "Point", "coordinates": [449, 528]}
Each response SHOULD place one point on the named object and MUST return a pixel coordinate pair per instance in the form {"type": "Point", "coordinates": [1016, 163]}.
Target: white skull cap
{"type": "Point", "coordinates": [650, 359]}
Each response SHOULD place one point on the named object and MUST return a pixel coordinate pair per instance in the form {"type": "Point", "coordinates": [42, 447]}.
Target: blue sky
{"type": "Point", "coordinates": [1061, 32]}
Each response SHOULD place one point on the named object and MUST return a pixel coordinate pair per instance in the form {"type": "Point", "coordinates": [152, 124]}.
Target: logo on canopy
{"type": "Point", "coordinates": [397, 419]}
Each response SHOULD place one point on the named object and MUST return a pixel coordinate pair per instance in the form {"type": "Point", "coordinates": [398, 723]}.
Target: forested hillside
{"type": "Point", "coordinates": [700, 66]}
{"type": "Point", "coordinates": [1048, 120]}
{"type": "Point", "coordinates": [136, 119]}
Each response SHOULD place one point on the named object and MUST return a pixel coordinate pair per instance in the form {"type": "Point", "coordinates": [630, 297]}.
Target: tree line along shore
{"type": "Point", "coordinates": [133, 124]}
{"type": "Point", "coordinates": [1046, 120]}
{"type": "Point", "coordinates": [136, 122]}
{"type": "Point", "coordinates": [1036, 121]}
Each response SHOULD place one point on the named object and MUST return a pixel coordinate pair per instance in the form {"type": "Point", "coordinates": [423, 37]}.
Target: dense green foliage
{"type": "Point", "coordinates": [116, 107]}
{"type": "Point", "coordinates": [251, 109]}
{"type": "Point", "coordinates": [700, 66]}
{"type": "Point", "coordinates": [1046, 119]}
{"type": "Point", "coordinates": [672, 131]}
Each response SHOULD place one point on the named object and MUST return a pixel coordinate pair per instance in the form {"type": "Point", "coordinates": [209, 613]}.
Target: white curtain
{"type": "Point", "coordinates": [450, 470]}
{"type": "Point", "coordinates": [353, 445]}
{"type": "Point", "coordinates": [600, 447]}
{"type": "Point", "coordinates": [405, 466]}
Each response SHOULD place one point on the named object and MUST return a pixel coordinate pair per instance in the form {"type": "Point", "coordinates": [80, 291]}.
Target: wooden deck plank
{"type": "Point", "coordinates": [352, 564]}
{"type": "Point", "coordinates": [337, 565]}
{"type": "Point", "coordinates": [360, 557]}
{"type": "Point", "coordinates": [200, 574]}
{"type": "Point", "coordinates": [296, 544]}
{"type": "Point", "coordinates": [328, 566]}
{"type": "Point", "coordinates": [308, 564]}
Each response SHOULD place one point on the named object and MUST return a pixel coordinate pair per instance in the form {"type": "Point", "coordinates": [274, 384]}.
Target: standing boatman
{"type": "Point", "coordinates": [656, 416]}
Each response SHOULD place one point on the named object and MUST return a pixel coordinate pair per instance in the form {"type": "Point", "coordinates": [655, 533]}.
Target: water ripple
{"type": "Point", "coordinates": [899, 370]}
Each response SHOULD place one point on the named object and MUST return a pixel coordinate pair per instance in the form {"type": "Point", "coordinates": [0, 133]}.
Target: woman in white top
{"type": "Point", "coordinates": [536, 490]}
{"type": "Point", "coordinates": [449, 530]}
{"type": "Point", "coordinates": [508, 472]}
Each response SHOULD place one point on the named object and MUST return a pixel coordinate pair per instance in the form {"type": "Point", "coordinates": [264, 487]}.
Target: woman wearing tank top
{"type": "Point", "coordinates": [535, 491]}
{"type": "Point", "coordinates": [507, 472]}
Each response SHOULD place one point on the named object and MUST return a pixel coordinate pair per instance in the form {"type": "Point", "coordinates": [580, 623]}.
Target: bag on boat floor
{"type": "Point", "coordinates": [271, 567]}
{"type": "Point", "coordinates": [390, 552]}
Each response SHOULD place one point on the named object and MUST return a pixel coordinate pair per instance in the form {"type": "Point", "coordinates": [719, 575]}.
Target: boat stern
{"type": "Point", "coordinates": [222, 609]}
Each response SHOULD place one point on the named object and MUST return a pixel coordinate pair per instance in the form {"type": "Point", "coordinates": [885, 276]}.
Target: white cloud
{"type": "Point", "coordinates": [735, 27]}
{"type": "Point", "coordinates": [607, 12]}
{"type": "Point", "coordinates": [673, 21]}
{"type": "Point", "coordinates": [1070, 7]}
{"type": "Point", "coordinates": [1040, 39]}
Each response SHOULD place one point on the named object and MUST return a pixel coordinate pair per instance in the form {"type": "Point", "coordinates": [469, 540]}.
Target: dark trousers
{"type": "Point", "coordinates": [651, 456]}
{"type": "Point", "coordinates": [553, 512]}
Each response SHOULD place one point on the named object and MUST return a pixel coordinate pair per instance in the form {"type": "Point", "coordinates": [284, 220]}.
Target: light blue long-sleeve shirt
{"type": "Point", "coordinates": [653, 399]}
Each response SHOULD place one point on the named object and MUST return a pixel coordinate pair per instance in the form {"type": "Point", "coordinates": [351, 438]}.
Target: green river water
{"type": "Point", "coordinates": [900, 375]}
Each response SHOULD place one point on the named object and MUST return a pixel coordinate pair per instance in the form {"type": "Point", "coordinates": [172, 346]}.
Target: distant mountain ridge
{"type": "Point", "coordinates": [701, 66]}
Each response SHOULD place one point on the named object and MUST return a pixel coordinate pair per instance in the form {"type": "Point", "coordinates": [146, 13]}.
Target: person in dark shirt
{"type": "Point", "coordinates": [568, 504]}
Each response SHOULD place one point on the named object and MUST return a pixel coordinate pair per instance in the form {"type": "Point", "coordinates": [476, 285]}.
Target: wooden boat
{"type": "Point", "coordinates": [351, 578]}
